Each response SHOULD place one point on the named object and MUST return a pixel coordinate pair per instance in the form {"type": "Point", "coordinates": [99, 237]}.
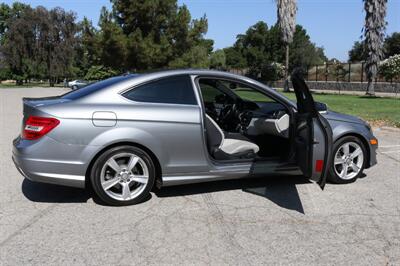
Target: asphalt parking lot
{"type": "Point", "coordinates": [284, 220]}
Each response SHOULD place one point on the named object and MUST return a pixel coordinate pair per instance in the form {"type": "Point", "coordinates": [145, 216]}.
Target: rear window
{"type": "Point", "coordinates": [93, 87]}
{"type": "Point", "coordinates": [171, 90]}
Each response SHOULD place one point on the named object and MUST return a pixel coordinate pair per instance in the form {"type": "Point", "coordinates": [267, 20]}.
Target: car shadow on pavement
{"type": "Point", "coordinates": [280, 190]}
{"type": "Point", "coordinates": [41, 192]}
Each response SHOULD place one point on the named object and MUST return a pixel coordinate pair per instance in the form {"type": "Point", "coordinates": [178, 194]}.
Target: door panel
{"type": "Point", "coordinates": [313, 135]}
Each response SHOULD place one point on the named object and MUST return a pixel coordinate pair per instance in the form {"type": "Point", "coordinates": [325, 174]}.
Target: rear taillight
{"type": "Point", "coordinates": [36, 127]}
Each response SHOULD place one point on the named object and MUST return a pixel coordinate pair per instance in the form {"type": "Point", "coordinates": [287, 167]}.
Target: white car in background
{"type": "Point", "coordinates": [76, 84]}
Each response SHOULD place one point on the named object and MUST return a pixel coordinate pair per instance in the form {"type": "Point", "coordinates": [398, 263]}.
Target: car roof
{"type": "Point", "coordinates": [131, 80]}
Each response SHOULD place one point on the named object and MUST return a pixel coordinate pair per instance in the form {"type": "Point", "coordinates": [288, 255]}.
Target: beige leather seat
{"type": "Point", "coordinates": [224, 148]}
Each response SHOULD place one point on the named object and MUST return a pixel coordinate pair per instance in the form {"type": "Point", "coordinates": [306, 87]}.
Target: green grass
{"type": "Point", "coordinates": [377, 110]}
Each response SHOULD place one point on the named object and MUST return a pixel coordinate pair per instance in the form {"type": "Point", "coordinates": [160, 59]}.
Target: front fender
{"type": "Point", "coordinates": [341, 129]}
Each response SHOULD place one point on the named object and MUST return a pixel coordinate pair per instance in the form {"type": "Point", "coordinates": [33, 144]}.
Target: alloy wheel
{"type": "Point", "coordinates": [124, 176]}
{"type": "Point", "coordinates": [348, 160]}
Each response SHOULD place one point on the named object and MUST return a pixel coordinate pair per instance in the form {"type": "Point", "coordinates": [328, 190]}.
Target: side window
{"type": "Point", "coordinates": [209, 90]}
{"type": "Point", "coordinates": [173, 90]}
{"type": "Point", "coordinates": [247, 93]}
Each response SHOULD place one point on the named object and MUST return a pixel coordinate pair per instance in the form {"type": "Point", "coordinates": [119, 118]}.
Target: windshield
{"type": "Point", "coordinates": [93, 87]}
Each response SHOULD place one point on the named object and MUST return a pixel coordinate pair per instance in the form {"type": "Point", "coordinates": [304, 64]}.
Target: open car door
{"type": "Point", "coordinates": [313, 135]}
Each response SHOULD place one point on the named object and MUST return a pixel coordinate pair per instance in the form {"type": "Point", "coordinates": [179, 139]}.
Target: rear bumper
{"type": "Point", "coordinates": [31, 163]}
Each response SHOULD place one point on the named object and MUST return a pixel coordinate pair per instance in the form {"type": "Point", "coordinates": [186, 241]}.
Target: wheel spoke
{"type": "Point", "coordinates": [132, 162]}
{"type": "Point", "coordinates": [346, 149]}
{"type": "Point", "coordinates": [344, 171]}
{"type": "Point", "coordinates": [356, 153]}
{"type": "Point", "coordinates": [140, 179]}
{"type": "Point", "coordinates": [339, 160]}
{"type": "Point", "coordinates": [355, 167]}
{"type": "Point", "coordinates": [114, 165]}
{"type": "Point", "coordinates": [126, 191]}
{"type": "Point", "coordinates": [110, 183]}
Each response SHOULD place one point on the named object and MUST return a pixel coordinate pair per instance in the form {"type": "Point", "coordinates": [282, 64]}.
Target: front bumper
{"type": "Point", "coordinates": [32, 160]}
{"type": "Point", "coordinates": [372, 153]}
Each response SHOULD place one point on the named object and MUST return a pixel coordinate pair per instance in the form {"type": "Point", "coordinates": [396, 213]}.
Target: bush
{"type": "Point", "coordinates": [390, 67]}
{"type": "Point", "coordinates": [273, 71]}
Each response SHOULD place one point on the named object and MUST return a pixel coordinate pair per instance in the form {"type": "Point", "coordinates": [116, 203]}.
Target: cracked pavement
{"type": "Point", "coordinates": [282, 220]}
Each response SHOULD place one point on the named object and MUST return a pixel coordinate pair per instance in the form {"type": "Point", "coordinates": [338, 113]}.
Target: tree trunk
{"type": "Point", "coordinates": [286, 85]}
{"type": "Point", "coordinates": [370, 88]}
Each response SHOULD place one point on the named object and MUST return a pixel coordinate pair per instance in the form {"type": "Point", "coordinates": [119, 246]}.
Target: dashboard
{"type": "Point", "coordinates": [252, 118]}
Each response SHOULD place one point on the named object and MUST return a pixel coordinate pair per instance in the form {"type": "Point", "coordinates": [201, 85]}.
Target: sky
{"type": "Point", "coordinates": [332, 24]}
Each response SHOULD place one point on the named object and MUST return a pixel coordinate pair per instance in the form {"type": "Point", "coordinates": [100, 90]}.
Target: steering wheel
{"type": "Point", "coordinates": [245, 119]}
{"type": "Point", "coordinates": [226, 112]}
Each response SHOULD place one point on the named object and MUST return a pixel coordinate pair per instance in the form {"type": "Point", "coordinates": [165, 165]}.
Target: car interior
{"type": "Point", "coordinates": [242, 123]}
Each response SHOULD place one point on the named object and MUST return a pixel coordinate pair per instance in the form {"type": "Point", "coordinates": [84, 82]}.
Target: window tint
{"type": "Point", "coordinates": [208, 91]}
{"type": "Point", "coordinates": [174, 90]}
{"type": "Point", "coordinates": [246, 93]}
{"type": "Point", "coordinates": [93, 87]}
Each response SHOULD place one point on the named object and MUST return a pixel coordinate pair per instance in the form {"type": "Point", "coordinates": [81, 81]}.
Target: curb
{"type": "Point", "coordinates": [386, 128]}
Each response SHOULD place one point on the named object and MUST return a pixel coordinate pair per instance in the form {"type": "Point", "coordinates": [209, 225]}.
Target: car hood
{"type": "Point", "coordinates": [335, 116]}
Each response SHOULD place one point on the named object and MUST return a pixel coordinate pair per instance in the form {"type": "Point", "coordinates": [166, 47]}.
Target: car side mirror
{"type": "Point", "coordinates": [321, 107]}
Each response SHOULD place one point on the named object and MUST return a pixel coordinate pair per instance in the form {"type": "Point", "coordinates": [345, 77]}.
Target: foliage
{"type": "Point", "coordinates": [273, 71]}
{"type": "Point", "coordinates": [218, 60]}
{"type": "Point", "coordinates": [5, 73]}
{"type": "Point", "coordinates": [390, 67]}
{"type": "Point", "coordinates": [39, 43]}
{"type": "Point", "coordinates": [234, 59]}
{"type": "Point", "coordinates": [99, 73]}
{"type": "Point", "coordinates": [260, 46]}
{"type": "Point", "coordinates": [134, 36]}
{"type": "Point", "coordinates": [197, 57]}
{"type": "Point", "coordinates": [160, 33]}
{"type": "Point", "coordinates": [392, 45]}
{"type": "Point", "coordinates": [358, 52]}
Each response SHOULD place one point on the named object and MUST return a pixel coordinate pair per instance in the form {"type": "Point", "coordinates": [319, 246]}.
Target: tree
{"type": "Point", "coordinates": [7, 14]}
{"type": "Point", "coordinates": [40, 43]}
{"type": "Point", "coordinates": [261, 46]}
{"type": "Point", "coordinates": [392, 45]}
{"type": "Point", "coordinates": [160, 33]}
{"type": "Point", "coordinates": [111, 42]}
{"type": "Point", "coordinates": [358, 52]}
{"type": "Point", "coordinates": [234, 58]}
{"type": "Point", "coordinates": [87, 47]}
{"type": "Point", "coordinates": [374, 32]}
{"type": "Point", "coordinates": [99, 72]}
{"type": "Point", "coordinates": [287, 24]}
{"type": "Point", "coordinates": [18, 45]}
{"type": "Point", "coordinates": [196, 57]}
{"type": "Point", "coordinates": [218, 60]}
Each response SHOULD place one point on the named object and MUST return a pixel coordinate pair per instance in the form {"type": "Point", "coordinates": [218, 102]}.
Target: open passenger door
{"type": "Point", "coordinates": [312, 134]}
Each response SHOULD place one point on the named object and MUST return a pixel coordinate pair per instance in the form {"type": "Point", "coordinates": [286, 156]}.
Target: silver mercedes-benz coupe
{"type": "Point", "coordinates": [126, 134]}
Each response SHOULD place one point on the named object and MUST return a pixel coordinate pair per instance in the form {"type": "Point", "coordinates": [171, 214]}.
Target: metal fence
{"type": "Point", "coordinates": [342, 72]}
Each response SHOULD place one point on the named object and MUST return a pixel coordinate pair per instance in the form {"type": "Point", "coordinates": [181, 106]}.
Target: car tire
{"type": "Point", "coordinates": [123, 175]}
{"type": "Point", "coordinates": [74, 87]}
{"type": "Point", "coordinates": [346, 167]}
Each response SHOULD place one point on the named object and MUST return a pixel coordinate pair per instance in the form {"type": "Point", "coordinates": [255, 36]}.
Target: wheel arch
{"type": "Point", "coordinates": [153, 157]}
